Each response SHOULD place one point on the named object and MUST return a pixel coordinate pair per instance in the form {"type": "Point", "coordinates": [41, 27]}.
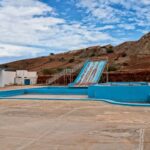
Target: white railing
{"type": "Point", "coordinates": [63, 73]}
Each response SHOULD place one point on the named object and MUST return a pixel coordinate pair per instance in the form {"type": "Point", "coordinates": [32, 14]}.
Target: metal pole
{"type": "Point", "coordinates": [107, 74]}
{"type": "Point", "coordinates": [65, 76]}
{"type": "Point", "coordinates": [70, 75]}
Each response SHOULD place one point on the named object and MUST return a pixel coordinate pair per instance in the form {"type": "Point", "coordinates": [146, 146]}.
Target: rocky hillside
{"type": "Point", "coordinates": [128, 56]}
{"type": "Point", "coordinates": [137, 54]}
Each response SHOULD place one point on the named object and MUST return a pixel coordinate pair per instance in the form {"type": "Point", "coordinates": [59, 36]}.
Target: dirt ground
{"type": "Point", "coordinates": [72, 125]}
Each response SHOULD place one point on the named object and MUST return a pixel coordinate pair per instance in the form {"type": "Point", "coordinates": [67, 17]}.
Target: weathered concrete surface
{"type": "Point", "coordinates": [72, 125]}
{"type": "Point", "coordinates": [46, 96]}
{"type": "Point", "coordinates": [15, 87]}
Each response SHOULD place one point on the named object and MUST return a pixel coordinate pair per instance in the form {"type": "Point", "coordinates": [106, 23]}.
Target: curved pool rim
{"type": "Point", "coordinates": [81, 99]}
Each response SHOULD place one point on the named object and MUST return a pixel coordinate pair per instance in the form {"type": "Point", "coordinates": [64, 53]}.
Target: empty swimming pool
{"type": "Point", "coordinates": [122, 93]}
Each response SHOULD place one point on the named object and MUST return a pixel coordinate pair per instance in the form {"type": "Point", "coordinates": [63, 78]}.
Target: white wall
{"type": "Point", "coordinates": [32, 74]}
{"type": "Point", "coordinates": [21, 75]}
{"type": "Point", "coordinates": [33, 80]}
{"type": "Point", "coordinates": [25, 73]}
{"type": "Point", "coordinates": [18, 77]}
{"type": "Point", "coordinates": [19, 81]}
{"type": "Point", "coordinates": [9, 77]}
{"type": "Point", "coordinates": [2, 84]}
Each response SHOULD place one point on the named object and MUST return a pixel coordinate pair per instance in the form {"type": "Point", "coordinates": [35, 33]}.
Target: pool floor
{"type": "Point", "coordinates": [46, 96]}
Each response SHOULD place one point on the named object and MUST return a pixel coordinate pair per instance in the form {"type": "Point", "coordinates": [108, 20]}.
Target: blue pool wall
{"type": "Point", "coordinates": [59, 91]}
{"type": "Point", "coordinates": [121, 93]}
{"type": "Point", "coordinates": [46, 90]}
{"type": "Point", "coordinates": [12, 93]}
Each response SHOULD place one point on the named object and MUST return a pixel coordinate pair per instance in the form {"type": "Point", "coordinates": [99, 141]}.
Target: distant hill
{"type": "Point", "coordinates": [128, 56]}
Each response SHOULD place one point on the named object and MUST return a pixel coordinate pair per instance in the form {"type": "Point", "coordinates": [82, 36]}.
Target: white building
{"type": "Point", "coordinates": [19, 77]}
{"type": "Point", "coordinates": [1, 78]}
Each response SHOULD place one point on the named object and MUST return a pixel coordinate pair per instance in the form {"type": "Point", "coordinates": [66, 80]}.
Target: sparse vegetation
{"type": "Point", "coordinates": [92, 55]}
{"type": "Point", "coordinates": [5, 66]}
{"type": "Point", "coordinates": [51, 59]}
{"type": "Point", "coordinates": [112, 67]}
{"type": "Point", "coordinates": [71, 60]}
{"type": "Point", "coordinates": [51, 54]}
{"type": "Point", "coordinates": [62, 59]}
{"type": "Point", "coordinates": [125, 64]}
{"type": "Point", "coordinates": [109, 50]}
{"type": "Point", "coordinates": [47, 71]}
{"type": "Point", "coordinates": [59, 69]}
{"type": "Point", "coordinates": [123, 54]}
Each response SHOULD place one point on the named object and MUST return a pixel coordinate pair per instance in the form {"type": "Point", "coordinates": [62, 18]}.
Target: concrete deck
{"type": "Point", "coordinates": [72, 125]}
{"type": "Point", "coordinates": [13, 87]}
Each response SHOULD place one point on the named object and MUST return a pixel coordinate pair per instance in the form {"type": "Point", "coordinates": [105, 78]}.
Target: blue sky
{"type": "Point", "coordinates": [31, 28]}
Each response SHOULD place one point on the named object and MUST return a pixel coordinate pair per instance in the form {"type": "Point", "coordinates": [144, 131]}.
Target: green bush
{"type": "Point", "coordinates": [51, 71]}
{"type": "Point", "coordinates": [46, 71]}
{"type": "Point", "coordinates": [123, 54]}
{"type": "Point", "coordinates": [92, 55]}
{"type": "Point", "coordinates": [51, 54]}
{"type": "Point", "coordinates": [71, 60]}
{"type": "Point", "coordinates": [109, 50]}
{"type": "Point", "coordinates": [112, 68]}
{"type": "Point", "coordinates": [59, 69]}
{"type": "Point", "coordinates": [62, 59]}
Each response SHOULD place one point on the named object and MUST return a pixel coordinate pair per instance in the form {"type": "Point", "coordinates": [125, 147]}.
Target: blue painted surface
{"type": "Point", "coordinates": [59, 91]}
{"type": "Point", "coordinates": [120, 93]}
{"type": "Point", "coordinates": [27, 82]}
{"type": "Point", "coordinates": [90, 73]}
{"type": "Point", "coordinates": [124, 94]}
{"type": "Point", "coordinates": [80, 74]}
{"type": "Point", "coordinates": [125, 83]}
{"type": "Point", "coordinates": [100, 70]}
{"type": "Point", "coordinates": [12, 93]}
{"type": "Point", "coordinates": [46, 90]}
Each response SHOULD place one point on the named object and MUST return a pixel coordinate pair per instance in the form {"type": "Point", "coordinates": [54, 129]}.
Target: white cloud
{"type": "Point", "coordinates": [106, 27]}
{"type": "Point", "coordinates": [146, 1]}
{"type": "Point", "coordinates": [31, 27]}
{"type": "Point", "coordinates": [106, 12]}
{"type": "Point", "coordinates": [127, 26]}
{"type": "Point", "coordinates": [31, 22]}
{"type": "Point", "coordinates": [10, 50]}
{"type": "Point", "coordinates": [100, 9]}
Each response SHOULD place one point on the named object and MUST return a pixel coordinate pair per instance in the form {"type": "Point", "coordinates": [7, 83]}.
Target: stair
{"type": "Point", "coordinates": [63, 73]}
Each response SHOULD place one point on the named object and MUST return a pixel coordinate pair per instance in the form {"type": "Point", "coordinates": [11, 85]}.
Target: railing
{"type": "Point", "coordinates": [63, 73]}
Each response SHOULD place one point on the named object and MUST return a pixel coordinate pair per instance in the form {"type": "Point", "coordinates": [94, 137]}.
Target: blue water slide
{"type": "Point", "coordinates": [89, 74]}
{"type": "Point", "coordinates": [100, 69]}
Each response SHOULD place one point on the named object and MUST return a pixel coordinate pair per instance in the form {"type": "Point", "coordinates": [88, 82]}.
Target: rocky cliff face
{"type": "Point", "coordinates": [140, 47]}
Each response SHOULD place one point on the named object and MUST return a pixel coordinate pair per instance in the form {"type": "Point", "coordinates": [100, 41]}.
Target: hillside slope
{"type": "Point", "coordinates": [137, 52]}
{"type": "Point", "coordinates": [127, 56]}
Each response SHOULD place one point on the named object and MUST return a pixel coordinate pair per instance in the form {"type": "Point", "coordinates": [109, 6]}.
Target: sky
{"type": "Point", "coordinates": [32, 28]}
